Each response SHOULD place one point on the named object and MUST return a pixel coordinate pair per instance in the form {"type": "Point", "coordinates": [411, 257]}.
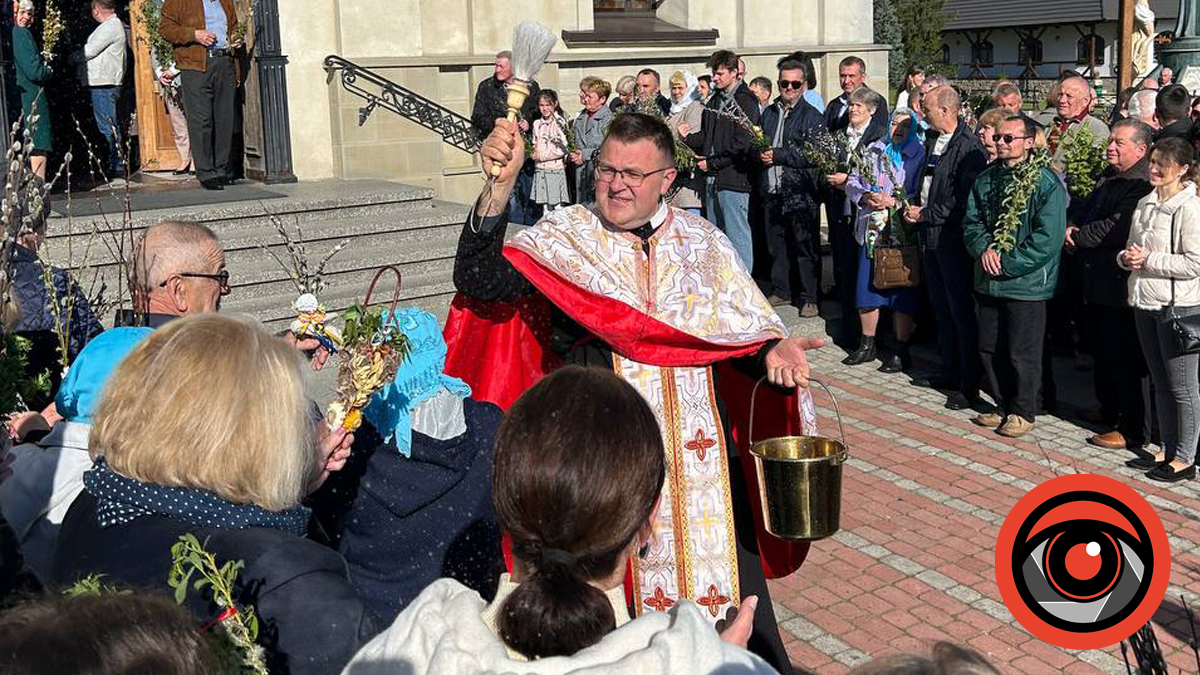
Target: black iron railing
{"type": "Point", "coordinates": [380, 92]}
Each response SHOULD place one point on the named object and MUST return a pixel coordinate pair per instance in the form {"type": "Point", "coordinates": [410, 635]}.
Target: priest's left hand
{"type": "Point", "coordinates": [787, 366]}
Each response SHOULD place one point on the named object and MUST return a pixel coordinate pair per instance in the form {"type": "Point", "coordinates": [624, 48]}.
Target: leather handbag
{"type": "Point", "coordinates": [896, 267]}
{"type": "Point", "coordinates": [1184, 329]}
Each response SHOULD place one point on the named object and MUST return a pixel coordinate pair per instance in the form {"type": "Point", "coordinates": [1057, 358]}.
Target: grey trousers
{"type": "Point", "coordinates": [1176, 387]}
{"type": "Point", "coordinates": [209, 104]}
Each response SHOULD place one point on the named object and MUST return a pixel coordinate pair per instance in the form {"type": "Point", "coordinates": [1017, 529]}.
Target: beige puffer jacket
{"type": "Point", "coordinates": [1150, 287]}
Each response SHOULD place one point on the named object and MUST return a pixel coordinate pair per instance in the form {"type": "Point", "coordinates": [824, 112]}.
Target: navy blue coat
{"type": "Point", "coordinates": [405, 522]}
{"type": "Point", "coordinates": [38, 319]}
{"type": "Point", "coordinates": [801, 184]}
{"type": "Point", "coordinates": [311, 622]}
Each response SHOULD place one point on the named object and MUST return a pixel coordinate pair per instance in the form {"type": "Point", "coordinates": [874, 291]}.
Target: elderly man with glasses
{"type": "Point", "coordinates": [660, 296]}
{"type": "Point", "coordinates": [1012, 284]}
{"type": "Point", "coordinates": [178, 270]}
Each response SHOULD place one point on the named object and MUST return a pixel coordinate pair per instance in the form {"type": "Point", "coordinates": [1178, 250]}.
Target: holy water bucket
{"type": "Point", "coordinates": [800, 479]}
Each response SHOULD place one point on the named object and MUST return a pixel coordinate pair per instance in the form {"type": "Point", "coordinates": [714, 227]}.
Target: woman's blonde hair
{"type": "Point", "coordinates": [214, 403]}
{"type": "Point", "coordinates": [993, 118]}
{"type": "Point", "coordinates": [1040, 141]}
{"type": "Point", "coordinates": [596, 86]}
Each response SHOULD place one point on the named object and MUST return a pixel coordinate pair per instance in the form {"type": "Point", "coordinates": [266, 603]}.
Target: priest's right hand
{"type": "Point", "coordinates": [504, 148]}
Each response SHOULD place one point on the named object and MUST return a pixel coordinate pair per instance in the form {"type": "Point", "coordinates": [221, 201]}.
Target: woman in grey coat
{"type": "Point", "coordinates": [589, 128]}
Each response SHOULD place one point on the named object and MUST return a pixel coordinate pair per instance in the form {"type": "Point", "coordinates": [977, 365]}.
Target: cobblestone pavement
{"type": "Point", "coordinates": [924, 495]}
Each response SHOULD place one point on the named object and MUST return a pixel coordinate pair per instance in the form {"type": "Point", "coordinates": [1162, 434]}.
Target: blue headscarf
{"type": "Point", "coordinates": [419, 377]}
{"type": "Point", "coordinates": [895, 152]}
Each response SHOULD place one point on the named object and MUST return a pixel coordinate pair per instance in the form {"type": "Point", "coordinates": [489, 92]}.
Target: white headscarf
{"type": "Point", "coordinates": [692, 93]}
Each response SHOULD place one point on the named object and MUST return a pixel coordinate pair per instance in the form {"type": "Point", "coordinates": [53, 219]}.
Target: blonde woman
{"type": "Point", "coordinates": [989, 124]}
{"type": "Point", "coordinates": [685, 118]}
{"type": "Point", "coordinates": [626, 91]}
{"type": "Point", "coordinates": [205, 429]}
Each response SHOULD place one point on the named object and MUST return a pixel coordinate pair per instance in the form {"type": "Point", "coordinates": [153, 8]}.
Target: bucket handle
{"type": "Point", "coordinates": [836, 407]}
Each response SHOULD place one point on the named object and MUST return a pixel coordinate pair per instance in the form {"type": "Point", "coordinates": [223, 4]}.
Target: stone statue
{"type": "Point", "coordinates": [1143, 38]}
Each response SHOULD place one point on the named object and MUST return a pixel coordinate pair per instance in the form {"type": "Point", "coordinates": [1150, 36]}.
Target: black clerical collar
{"type": "Point", "coordinates": [656, 221]}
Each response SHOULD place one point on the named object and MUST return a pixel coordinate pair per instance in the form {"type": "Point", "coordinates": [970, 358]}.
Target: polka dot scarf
{"type": "Point", "coordinates": [120, 500]}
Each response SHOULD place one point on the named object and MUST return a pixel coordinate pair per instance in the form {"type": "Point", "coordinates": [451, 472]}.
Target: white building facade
{"type": "Point", "coordinates": [442, 49]}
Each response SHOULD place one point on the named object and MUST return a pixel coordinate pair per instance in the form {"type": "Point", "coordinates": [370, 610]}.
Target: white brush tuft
{"type": "Point", "coordinates": [531, 47]}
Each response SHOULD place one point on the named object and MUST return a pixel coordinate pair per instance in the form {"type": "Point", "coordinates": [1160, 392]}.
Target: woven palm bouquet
{"type": "Point", "coordinates": [373, 347]}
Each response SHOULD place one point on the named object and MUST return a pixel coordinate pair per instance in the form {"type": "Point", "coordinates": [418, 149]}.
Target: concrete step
{"type": "Point", "coordinates": [400, 235]}
{"type": "Point", "coordinates": [385, 224]}
{"type": "Point", "coordinates": [309, 201]}
{"type": "Point", "coordinates": [430, 291]}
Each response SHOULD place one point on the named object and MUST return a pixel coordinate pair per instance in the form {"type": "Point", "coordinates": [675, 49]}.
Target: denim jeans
{"type": "Point", "coordinates": [1176, 389]}
{"type": "Point", "coordinates": [104, 108]}
{"type": "Point", "coordinates": [733, 218]}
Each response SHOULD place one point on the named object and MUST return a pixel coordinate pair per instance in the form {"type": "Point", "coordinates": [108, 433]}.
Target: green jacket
{"type": "Point", "coordinates": [1030, 271]}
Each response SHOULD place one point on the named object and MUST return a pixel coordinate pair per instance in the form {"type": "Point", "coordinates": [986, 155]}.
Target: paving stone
{"type": "Point", "coordinates": [914, 561]}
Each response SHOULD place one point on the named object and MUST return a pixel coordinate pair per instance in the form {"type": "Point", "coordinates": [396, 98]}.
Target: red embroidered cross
{"type": "Point", "coordinates": [659, 601]}
{"type": "Point", "coordinates": [700, 444]}
{"type": "Point", "coordinates": [713, 600]}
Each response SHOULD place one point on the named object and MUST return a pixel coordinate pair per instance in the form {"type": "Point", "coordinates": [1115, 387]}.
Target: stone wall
{"type": "Point", "coordinates": [442, 49]}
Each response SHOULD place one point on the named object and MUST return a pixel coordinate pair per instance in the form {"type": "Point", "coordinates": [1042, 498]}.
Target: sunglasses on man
{"type": "Point", "coordinates": [1007, 138]}
{"type": "Point", "coordinates": [790, 84]}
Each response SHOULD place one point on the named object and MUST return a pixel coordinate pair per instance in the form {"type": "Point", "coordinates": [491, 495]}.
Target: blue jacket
{"type": "Point", "coordinates": [405, 522]}
{"type": "Point", "coordinates": [38, 318]}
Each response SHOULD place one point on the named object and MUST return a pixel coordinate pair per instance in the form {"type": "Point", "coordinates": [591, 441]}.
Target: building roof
{"type": "Point", "coordinates": [977, 14]}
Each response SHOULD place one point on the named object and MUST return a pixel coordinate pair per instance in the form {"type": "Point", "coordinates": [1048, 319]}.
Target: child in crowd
{"type": "Point", "coordinates": [549, 149]}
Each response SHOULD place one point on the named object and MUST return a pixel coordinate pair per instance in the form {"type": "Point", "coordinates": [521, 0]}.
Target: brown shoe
{"type": "Point", "coordinates": [1015, 426]}
{"type": "Point", "coordinates": [810, 310]}
{"type": "Point", "coordinates": [1113, 440]}
{"type": "Point", "coordinates": [990, 420]}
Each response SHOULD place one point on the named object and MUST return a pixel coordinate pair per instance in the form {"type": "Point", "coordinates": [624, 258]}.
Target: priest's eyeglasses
{"type": "Point", "coordinates": [630, 177]}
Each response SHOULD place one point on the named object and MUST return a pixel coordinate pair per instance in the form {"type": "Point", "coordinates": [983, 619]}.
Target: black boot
{"type": "Point", "coordinates": [864, 354]}
{"type": "Point", "coordinates": [899, 361]}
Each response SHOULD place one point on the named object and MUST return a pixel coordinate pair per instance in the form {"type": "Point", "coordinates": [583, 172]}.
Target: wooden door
{"type": "Point", "coordinates": [156, 142]}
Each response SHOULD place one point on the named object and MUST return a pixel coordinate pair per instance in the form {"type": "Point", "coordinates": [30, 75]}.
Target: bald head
{"type": "Point", "coordinates": [940, 107]}
{"type": "Point", "coordinates": [165, 261]}
{"type": "Point", "coordinates": [1074, 97]}
{"type": "Point", "coordinates": [170, 247]}
{"type": "Point", "coordinates": [946, 97]}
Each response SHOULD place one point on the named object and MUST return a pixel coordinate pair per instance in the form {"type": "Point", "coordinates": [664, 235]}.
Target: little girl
{"type": "Point", "coordinates": [549, 149]}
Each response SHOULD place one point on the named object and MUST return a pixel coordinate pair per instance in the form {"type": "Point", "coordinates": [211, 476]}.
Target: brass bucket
{"type": "Point", "coordinates": [800, 479]}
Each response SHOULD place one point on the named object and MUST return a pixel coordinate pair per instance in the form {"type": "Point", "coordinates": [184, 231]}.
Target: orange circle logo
{"type": "Point", "coordinates": [1082, 561]}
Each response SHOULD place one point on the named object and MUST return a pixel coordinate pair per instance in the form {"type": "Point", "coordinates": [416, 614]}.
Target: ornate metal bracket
{"type": "Point", "coordinates": [382, 92]}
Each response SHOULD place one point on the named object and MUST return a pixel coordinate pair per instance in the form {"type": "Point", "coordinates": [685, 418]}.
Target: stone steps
{"type": "Point", "coordinates": [383, 223]}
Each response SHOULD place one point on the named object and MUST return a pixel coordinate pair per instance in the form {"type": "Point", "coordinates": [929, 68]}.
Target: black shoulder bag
{"type": "Point", "coordinates": [1185, 330]}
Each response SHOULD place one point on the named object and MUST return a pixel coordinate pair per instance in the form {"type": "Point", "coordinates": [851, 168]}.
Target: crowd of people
{"type": "Point", "coordinates": [197, 79]}
{"type": "Point", "coordinates": [374, 552]}
{"type": "Point", "coordinates": [922, 189]}
{"type": "Point", "coordinates": [490, 514]}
